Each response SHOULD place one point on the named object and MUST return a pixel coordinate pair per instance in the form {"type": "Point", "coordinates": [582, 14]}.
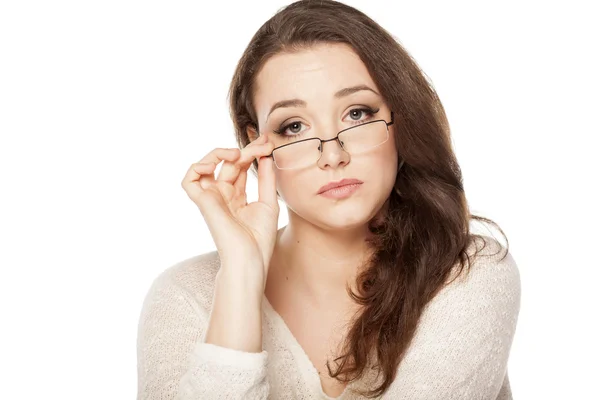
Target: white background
{"type": "Point", "coordinates": [104, 105]}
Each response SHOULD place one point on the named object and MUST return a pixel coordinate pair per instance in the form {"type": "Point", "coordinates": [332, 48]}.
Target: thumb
{"type": "Point", "coordinates": [267, 190]}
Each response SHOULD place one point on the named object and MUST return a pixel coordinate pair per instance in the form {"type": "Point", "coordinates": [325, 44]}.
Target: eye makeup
{"type": "Point", "coordinates": [365, 111]}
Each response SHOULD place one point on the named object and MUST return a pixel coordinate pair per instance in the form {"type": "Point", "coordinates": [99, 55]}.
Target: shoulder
{"type": "Point", "coordinates": [463, 340]}
{"type": "Point", "coordinates": [491, 267]}
{"type": "Point", "coordinates": [491, 282]}
{"type": "Point", "coordinates": [193, 277]}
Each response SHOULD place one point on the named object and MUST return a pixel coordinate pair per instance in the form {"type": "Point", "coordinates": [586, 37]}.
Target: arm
{"type": "Point", "coordinates": [174, 362]}
{"type": "Point", "coordinates": [463, 341]}
{"type": "Point", "coordinates": [230, 360]}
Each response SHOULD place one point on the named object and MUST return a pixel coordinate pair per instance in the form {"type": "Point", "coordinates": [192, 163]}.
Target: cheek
{"type": "Point", "coordinates": [386, 158]}
{"type": "Point", "coordinates": [297, 189]}
{"type": "Point", "coordinates": [290, 185]}
{"type": "Point", "coordinates": [387, 166]}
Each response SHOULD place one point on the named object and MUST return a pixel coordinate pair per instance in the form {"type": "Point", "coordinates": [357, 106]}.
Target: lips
{"type": "Point", "coordinates": [343, 182]}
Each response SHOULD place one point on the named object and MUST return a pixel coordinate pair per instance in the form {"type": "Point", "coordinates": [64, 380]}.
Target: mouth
{"type": "Point", "coordinates": [339, 184]}
{"type": "Point", "coordinates": [340, 190]}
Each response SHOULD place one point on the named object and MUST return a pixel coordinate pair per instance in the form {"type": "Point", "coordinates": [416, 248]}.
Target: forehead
{"type": "Point", "coordinates": [313, 74]}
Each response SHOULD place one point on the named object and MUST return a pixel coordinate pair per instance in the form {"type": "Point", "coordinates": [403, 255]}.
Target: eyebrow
{"type": "Point", "coordinates": [338, 95]}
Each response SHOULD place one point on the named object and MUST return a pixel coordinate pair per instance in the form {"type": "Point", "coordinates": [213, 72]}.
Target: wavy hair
{"type": "Point", "coordinates": [423, 231]}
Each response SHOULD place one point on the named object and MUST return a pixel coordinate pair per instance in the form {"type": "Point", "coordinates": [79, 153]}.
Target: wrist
{"type": "Point", "coordinates": [244, 282]}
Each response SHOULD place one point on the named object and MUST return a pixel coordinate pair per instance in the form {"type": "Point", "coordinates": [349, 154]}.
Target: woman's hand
{"type": "Point", "coordinates": [244, 234]}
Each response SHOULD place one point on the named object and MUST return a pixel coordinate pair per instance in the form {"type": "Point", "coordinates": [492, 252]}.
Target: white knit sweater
{"type": "Point", "coordinates": [460, 350]}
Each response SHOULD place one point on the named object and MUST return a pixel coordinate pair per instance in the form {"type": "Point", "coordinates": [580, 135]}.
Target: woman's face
{"type": "Point", "coordinates": [315, 76]}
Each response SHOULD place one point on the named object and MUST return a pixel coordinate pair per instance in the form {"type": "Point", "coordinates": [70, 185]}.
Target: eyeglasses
{"type": "Point", "coordinates": [354, 140]}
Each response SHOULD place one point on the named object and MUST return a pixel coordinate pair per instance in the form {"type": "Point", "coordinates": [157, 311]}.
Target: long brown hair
{"type": "Point", "coordinates": [423, 232]}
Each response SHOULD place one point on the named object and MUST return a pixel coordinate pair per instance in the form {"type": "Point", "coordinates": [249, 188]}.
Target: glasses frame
{"type": "Point", "coordinates": [336, 138]}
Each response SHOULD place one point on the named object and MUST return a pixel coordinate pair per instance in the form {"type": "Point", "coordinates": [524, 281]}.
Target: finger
{"type": "Point", "coordinates": [240, 183]}
{"type": "Point", "coordinates": [267, 189]}
{"type": "Point", "coordinates": [213, 158]}
{"type": "Point", "coordinates": [231, 170]}
{"type": "Point", "coordinates": [196, 170]}
{"type": "Point", "coordinates": [204, 168]}
{"type": "Point", "coordinates": [261, 139]}
{"type": "Point", "coordinates": [219, 154]}
{"type": "Point", "coordinates": [227, 191]}
{"type": "Point", "coordinates": [192, 181]}
{"type": "Point", "coordinates": [248, 154]}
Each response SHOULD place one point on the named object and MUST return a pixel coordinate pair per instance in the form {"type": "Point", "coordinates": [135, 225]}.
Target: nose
{"type": "Point", "coordinates": [332, 154]}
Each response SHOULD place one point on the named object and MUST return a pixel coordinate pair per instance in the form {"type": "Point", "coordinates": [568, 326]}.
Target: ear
{"type": "Point", "coordinates": [252, 134]}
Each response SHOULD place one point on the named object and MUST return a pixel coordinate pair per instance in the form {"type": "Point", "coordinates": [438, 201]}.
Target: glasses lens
{"type": "Point", "coordinates": [297, 155]}
{"type": "Point", "coordinates": [364, 137]}
{"type": "Point", "coordinates": [356, 140]}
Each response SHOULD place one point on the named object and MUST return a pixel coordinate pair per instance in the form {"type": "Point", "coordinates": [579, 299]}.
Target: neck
{"type": "Point", "coordinates": [320, 262]}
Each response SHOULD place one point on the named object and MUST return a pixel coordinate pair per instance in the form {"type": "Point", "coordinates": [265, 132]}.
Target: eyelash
{"type": "Point", "coordinates": [281, 130]}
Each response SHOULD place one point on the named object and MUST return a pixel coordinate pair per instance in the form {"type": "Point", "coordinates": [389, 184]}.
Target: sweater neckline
{"type": "Point", "coordinates": [307, 368]}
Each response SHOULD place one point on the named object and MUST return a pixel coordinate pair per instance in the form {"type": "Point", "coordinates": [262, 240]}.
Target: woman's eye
{"type": "Point", "coordinates": [356, 113]}
{"type": "Point", "coordinates": [294, 128]}
{"type": "Point", "coordinates": [360, 112]}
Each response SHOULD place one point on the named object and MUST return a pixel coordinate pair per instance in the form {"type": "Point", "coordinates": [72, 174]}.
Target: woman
{"type": "Point", "coordinates": [376, 287]}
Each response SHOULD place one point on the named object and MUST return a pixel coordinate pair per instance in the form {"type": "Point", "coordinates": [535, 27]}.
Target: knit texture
{"type": "Point", "coordinates": [460, 350]}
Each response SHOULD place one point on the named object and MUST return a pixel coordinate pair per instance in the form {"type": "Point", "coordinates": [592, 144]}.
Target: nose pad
{"type": "Point", "coordinates": [333, 157]}
{"type": "Point", "coordinates": [337, 140]}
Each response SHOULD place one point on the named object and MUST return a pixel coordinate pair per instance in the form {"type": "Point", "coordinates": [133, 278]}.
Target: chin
{"type": "Point", "coordinates": [351, 215]}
